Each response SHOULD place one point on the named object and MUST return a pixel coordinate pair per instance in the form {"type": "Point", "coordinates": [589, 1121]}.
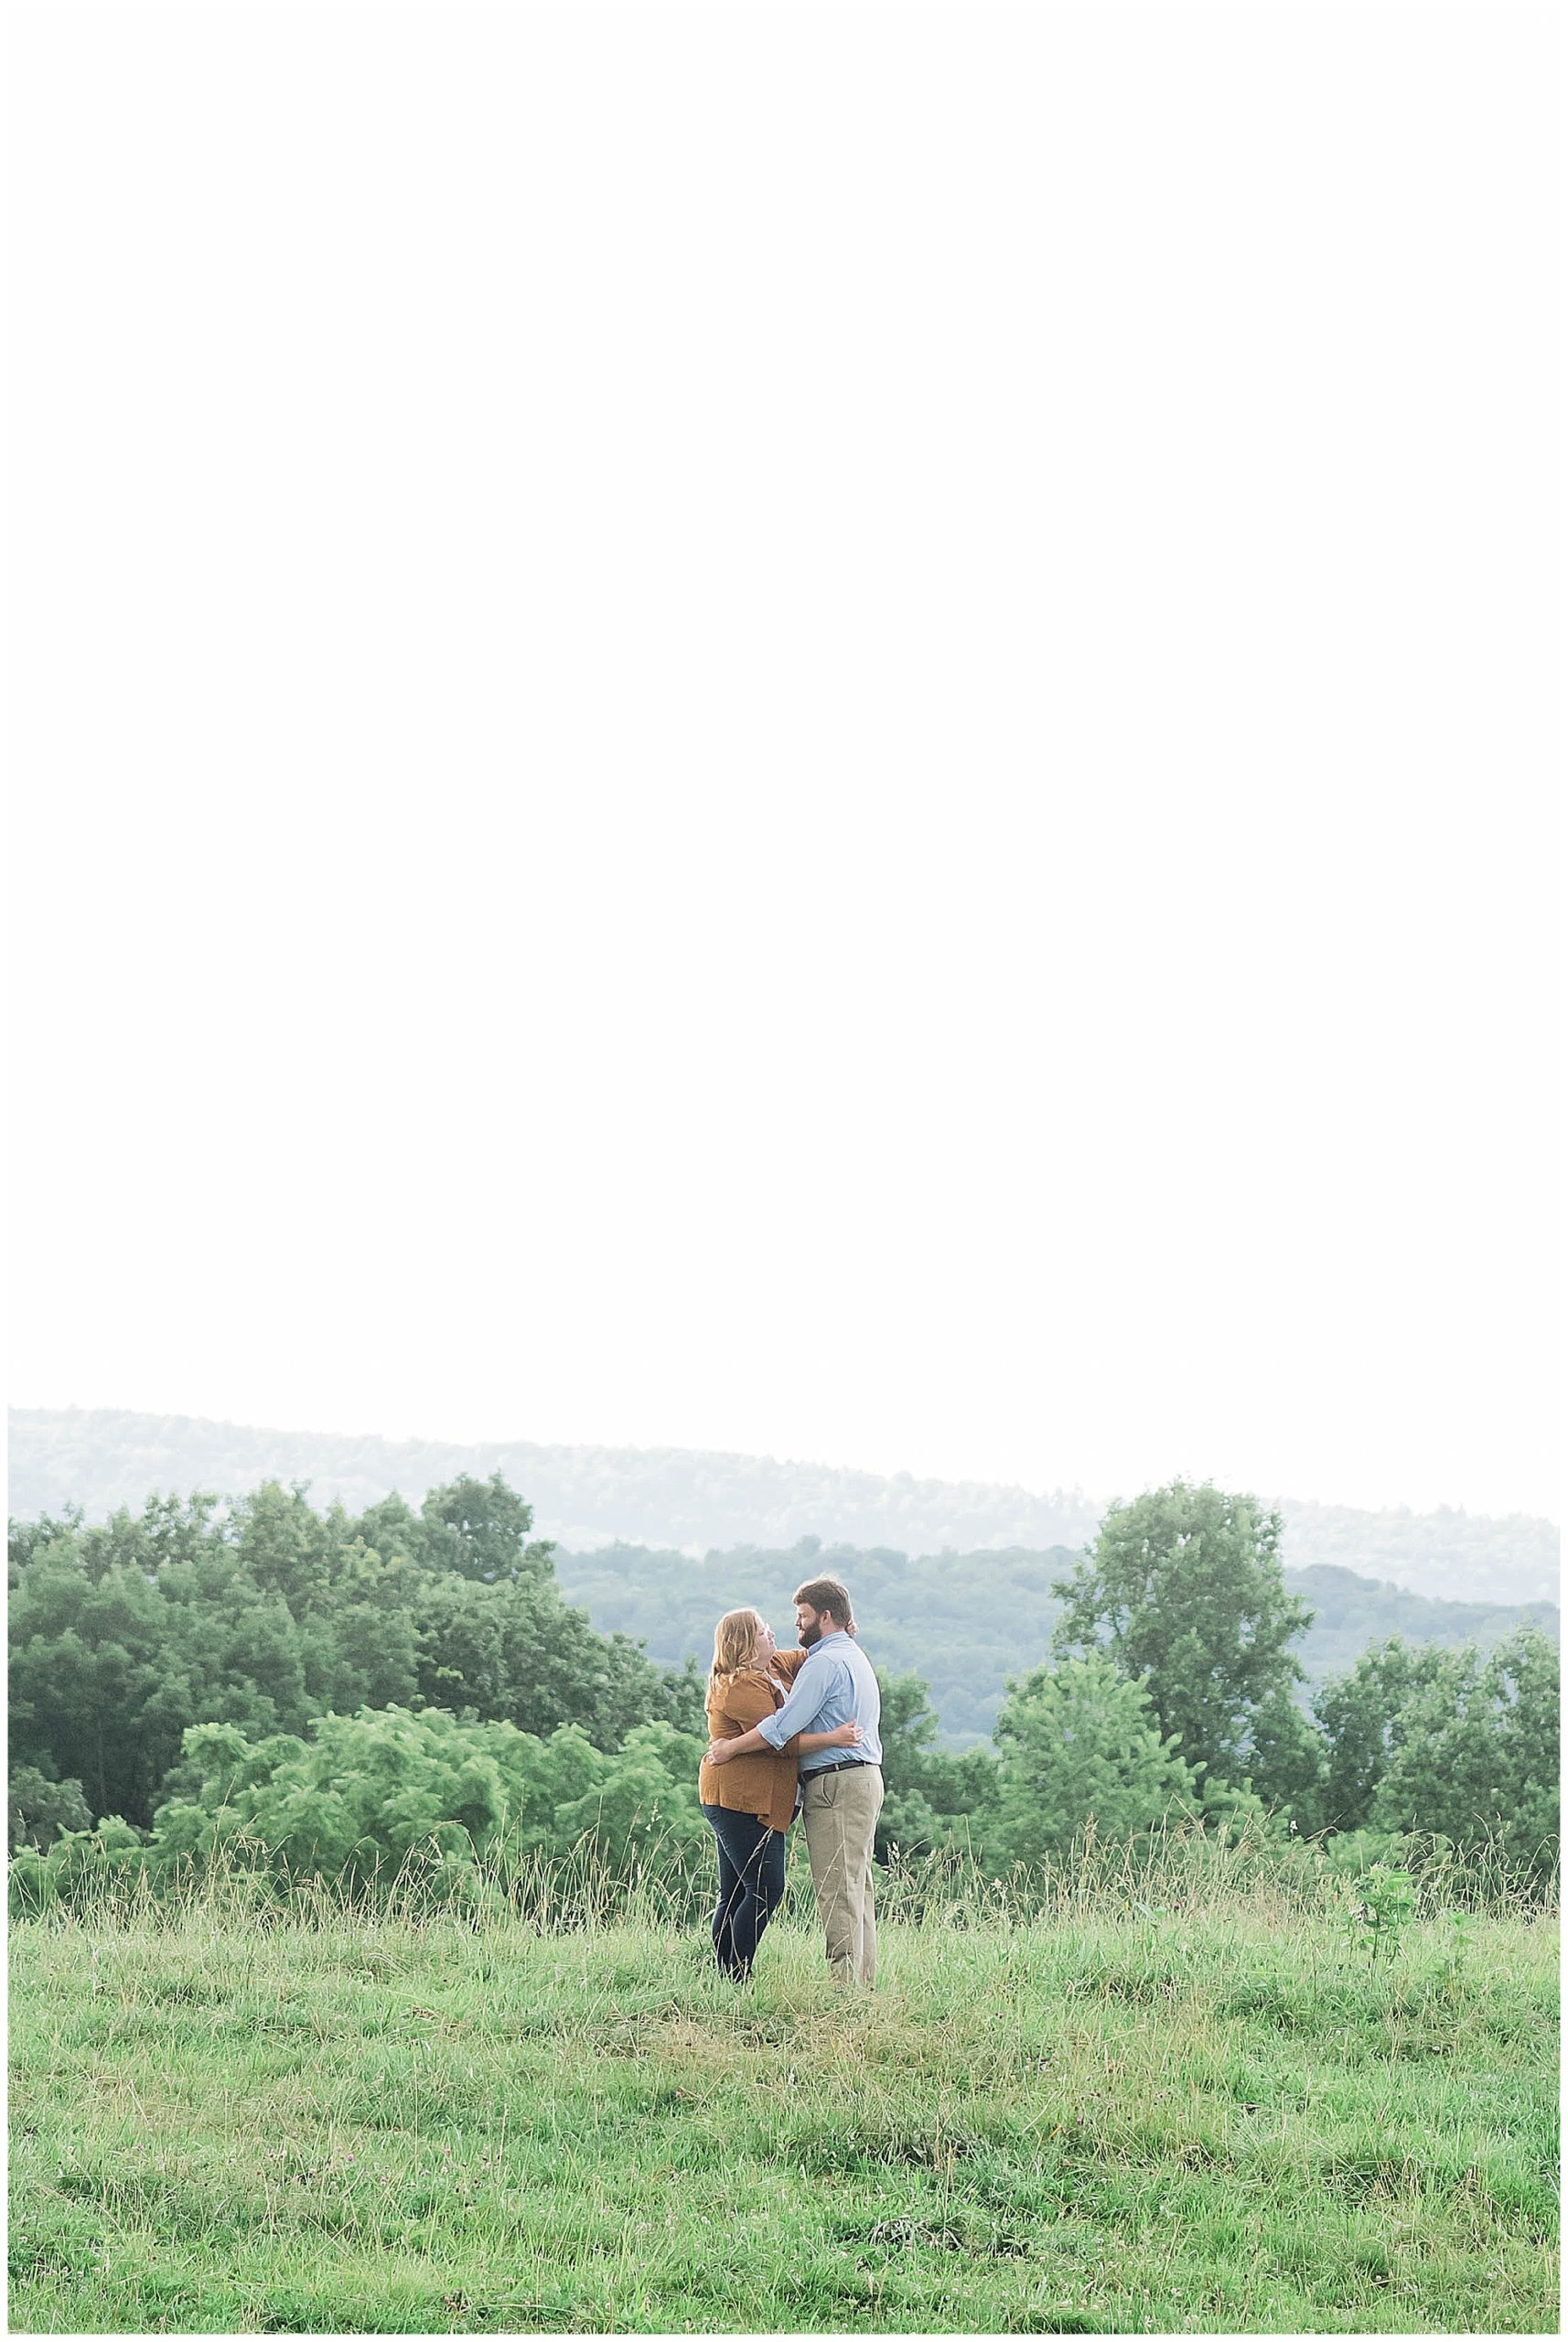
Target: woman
{"type": "Point", "coordinates": [750, 1802]}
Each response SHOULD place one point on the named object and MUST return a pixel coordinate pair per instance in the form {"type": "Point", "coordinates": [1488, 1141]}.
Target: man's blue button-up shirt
{"type": "Point", "coordinates": [837, 1684]}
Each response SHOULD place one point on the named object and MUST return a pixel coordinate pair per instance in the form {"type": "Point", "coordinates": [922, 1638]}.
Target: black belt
{"type": "Point", "coordinates": [843, 1765]}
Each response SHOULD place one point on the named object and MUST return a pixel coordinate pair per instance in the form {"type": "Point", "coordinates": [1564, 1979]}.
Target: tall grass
{"type": "Point", "coordinates": [1179, 1867]}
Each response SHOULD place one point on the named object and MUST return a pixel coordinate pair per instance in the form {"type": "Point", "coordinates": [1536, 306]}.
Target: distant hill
{"type": "Point", "coordinates": [697, 1500]}
{"type": "Point", "coordinates": [967, 1621]}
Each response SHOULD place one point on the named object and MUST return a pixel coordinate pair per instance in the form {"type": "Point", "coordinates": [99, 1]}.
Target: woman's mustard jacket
{"type": "Point", "coordinates": [763, 1785]}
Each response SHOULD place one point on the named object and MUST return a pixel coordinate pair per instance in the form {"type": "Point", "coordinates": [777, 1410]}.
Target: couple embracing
{"type": "Point", "coordinates": [794, 1732]}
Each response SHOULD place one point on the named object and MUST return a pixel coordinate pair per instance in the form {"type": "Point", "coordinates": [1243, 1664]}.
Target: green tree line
{"type": "Point", "coordinates": [350, 1693]}
{"type": "Point", "coordinates": [273, 1614]}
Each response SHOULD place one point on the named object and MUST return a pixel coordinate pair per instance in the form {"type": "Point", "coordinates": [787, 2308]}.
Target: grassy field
{"type": "Point", "coordinates": [1227, 2121]}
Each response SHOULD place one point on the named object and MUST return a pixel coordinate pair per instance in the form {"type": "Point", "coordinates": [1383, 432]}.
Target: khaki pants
{"type": "Point", "coordinates": [837, 1812]}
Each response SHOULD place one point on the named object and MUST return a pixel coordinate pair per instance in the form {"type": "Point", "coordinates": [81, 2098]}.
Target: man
{"type": "Point", "coordinates": [841, 1790]}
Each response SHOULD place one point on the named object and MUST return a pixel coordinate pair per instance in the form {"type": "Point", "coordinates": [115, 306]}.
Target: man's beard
{"type": "Point", "coordinates": [809, 1635]}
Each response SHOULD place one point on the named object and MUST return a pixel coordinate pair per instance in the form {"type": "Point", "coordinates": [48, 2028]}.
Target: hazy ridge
{"type": "Point", "coordinates": [699, 1500]}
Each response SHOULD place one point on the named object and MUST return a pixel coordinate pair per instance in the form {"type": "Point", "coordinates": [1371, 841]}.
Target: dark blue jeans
{"type": "Point", "coordinates": [751, 1886]}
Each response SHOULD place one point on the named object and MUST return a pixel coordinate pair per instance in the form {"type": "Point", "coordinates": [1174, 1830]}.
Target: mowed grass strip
{"type": "Point", "coordinates": [1129, 2125]}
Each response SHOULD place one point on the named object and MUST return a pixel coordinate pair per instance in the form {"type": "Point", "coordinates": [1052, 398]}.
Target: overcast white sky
{"type": "Point", "coordinates": [815, 730]}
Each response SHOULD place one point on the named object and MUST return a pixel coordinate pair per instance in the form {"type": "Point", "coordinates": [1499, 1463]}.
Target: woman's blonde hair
{"type": "Point", "coordinates": [734, 1643]}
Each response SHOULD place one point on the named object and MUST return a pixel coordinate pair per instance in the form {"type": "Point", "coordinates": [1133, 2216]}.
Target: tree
{"type": "Point", "coordinates": [1286, 1763]}
{"type": "Point", "coordinates": [361, 1643]}
{"type": "Point", "coordinates": [39, 1808]}
{"type": "Point", "coordinates": [1081, 1741]}
{"type": "Point", "coordinates": [1478, 1752]}
{"type": "Point", "coordinates": [1182, 1588]}
{"type": "Point", "coordinates": [167, 1529]}
{"type": "Point", "coordinates": [931, 1797]}
{"type": "Point", "coordinates": [1363, 1715]}
{"type": "Point", "coordinates": [92, 1680]}
{"type": "Point", "coordinates": [26, 1538]}
{"type": "Point", "coordinates": [643, 1807]}
{"type": "Point", "coordinates": [285, 1545]}
{"type": "Point", "coordinates": [478, 1529]}
{"type": "Point", "coordinates": [123, 1636]}
{"type": "Point", "coordinates": [513, 1651]}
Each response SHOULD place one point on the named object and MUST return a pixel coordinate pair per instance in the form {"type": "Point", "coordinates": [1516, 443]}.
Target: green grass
{"type": "Point", "coordinates": [1223, 2121]}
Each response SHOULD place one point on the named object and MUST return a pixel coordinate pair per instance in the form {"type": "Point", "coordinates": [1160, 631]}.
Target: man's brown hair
{"type": "Point", "coordinates": [827, 1593]}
